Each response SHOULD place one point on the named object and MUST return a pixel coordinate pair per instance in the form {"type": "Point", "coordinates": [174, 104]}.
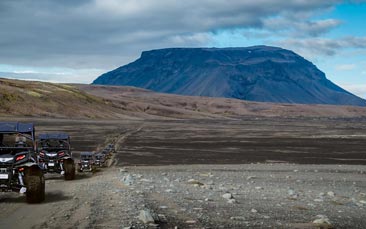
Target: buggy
{"type": "Point", "coordinates": [86, 162]}
{"type": "Point", "coordinates": [19, 169]}
{"type": "Point", "coordinates": [110, 148]}
{"type": "Point", "coordinates": [99, 159]}
{"type": "Point", "coordinates": [106, 154]}
{"type": "Point", "coordinates": [55, 154]}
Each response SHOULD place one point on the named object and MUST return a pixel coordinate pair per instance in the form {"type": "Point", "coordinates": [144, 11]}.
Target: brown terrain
{"type": "Point", "coordinates": [195, 162]}
{"type": "Point", "coordinates": [40, 99]}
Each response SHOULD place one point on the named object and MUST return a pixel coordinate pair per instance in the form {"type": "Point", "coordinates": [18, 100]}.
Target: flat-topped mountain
{"type": "Point", "coordinates": [258, 73]}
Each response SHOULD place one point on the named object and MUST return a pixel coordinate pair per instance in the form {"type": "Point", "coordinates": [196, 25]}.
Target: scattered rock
{"type": "Point", "coordinates": [330, 194]}
{"type": "Point", "coordinates": [123, 170]}
{"type": "Point", "coordinates": [147, 217]}
{"type": "Point", "coordinates": [231, 201]}
{"type": "Point", "coordinates": [195, 182]}
{"type": "Point", "coordinates": [228, 196]}
{"type": "Point", "coordinates": [154, 225]}
{"type": "Point", "coordinates": [254, 210]}
{"type": "Point", "coordinates": [291, 192]}
{"type": "Point", "coordinates": [322, 220]}
{"type": "Point", "coordinates": [238, 218]}
{"type": "Point", "coordinates": [191, 221]}
{"type": "Point", "coordinates": [127, 180]}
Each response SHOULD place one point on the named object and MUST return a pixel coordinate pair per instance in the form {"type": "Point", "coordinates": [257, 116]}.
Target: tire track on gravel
{"type": "Point", "coordinates": [86, 202]}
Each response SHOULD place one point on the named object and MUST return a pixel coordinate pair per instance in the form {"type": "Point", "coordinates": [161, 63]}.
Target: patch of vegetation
{"type": "Point", "coordinates": [6, 96]}
{"type": "Point", "coordinates": [34, 94]}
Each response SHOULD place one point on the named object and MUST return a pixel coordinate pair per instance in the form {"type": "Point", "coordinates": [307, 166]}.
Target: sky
{"type": "Point", "coordinates": [75, 41]}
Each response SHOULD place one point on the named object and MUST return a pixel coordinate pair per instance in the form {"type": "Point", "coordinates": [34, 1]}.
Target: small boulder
{"type": "Point", "coordinates": [330, 194]}
{"type": "Point", "coordinates": [195, 182]}
{"type": "Point", "coordinates": [127, 180]}
{"type": "Point", "coordinates": [147, 217]}
{"type": "Point", "coordinates": [228, 196]}
{"type": "Point", "coordinates": [322, 220]}
{"type": "Point", "coordinates": [231, 201]}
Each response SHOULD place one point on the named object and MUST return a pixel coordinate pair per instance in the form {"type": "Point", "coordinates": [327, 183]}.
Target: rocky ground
{"type": "Point", "coordinates": [167, 174]}
{"type": "Point", "coordinates": [252, 196]}
{"type": "Point", "coordinates": [198, 196]}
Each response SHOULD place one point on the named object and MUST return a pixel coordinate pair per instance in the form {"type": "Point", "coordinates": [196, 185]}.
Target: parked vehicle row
{"type": "Point", "coordinates": [24, 159]}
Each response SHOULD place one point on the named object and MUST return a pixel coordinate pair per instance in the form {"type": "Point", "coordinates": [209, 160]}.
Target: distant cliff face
{"type": "Point", "coordinates": [258, 73]}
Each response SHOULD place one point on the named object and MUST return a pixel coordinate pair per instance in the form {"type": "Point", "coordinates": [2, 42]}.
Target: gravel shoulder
{"type": "Point", "coordinates": [196, 196]}
{"type": "Point", "coordinates": [254, 195]}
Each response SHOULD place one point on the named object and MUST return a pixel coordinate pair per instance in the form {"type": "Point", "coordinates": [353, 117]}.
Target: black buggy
{"type": "Point", "coordinates": [19, 170]}
{"type": "Point", "coordinates": [55, 154]}
{"type": "Point", "coordinates": [99, 159]}
{"type": "Point", "coordinates": [86, 162]}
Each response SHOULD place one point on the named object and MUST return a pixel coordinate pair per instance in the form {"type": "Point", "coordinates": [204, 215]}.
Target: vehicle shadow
{"type": "Point", "coordinates": [78, 176]}
{"type": "Point", "coordinates": [56, 196]}
{"type": "Point", "coordinates": [12, 198]}
{"type": "Point", "coordinates": [84, 175]}
{"type": "Point", "coordinates": [51, 197]}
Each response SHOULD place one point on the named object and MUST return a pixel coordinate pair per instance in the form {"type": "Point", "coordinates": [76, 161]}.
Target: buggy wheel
{"type": "Point", "coordinates": [69, 169]}
{"type": "Point", "coordinates": [78, 168]}
{"type": "Point", "coordinates": [35, 188]}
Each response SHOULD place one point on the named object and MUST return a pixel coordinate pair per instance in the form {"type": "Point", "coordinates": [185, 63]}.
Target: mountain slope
{"type": "Point", "coordinates": [258, 73]}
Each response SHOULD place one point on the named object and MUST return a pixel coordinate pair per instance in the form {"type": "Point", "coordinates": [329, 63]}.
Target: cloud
{"type": "Point", "coordinates": [66, 76]}
{"type": "Point", "coordinates": [322, 46]}
{"type": "Point", "coordinates": [300, 26]}
{"type": "Point", "coordinates": [346, 67]}
{"type": "Point", "coordinates": [108, 33]}
{"type": "Point", "coordinates": [357, 89]}
{"type": "Point", "coordinates": [81, 35]}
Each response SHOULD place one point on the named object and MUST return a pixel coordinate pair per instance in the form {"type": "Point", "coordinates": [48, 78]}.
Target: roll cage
{"type": "Point", "coordinates": [23, 130]}
{"type": "Point", "coordinates": [54, 141]}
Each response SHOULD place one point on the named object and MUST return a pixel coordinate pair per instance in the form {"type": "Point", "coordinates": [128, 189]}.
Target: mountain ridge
{"type": "Point", "coordinates": [257, 73]}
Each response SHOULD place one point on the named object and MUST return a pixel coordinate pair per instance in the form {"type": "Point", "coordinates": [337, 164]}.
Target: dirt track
{"type": "Point", "coordinates": [284, 195]}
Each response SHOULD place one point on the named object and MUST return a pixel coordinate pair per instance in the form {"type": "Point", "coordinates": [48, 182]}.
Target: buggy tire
{"type": "Point", "coordinates": [69, 167]}
{"type": "Point", "coordinates": [35, 188]}
{"type": "Point", "coordinates": [78, 168]}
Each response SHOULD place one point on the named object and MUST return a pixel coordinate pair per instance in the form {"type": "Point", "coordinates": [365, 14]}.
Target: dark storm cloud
{"type": "Point", "coordinates": [106, 33]}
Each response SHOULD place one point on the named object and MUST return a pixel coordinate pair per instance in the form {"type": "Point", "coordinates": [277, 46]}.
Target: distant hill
{"type": "Point", "coordinates": [39, 99]}
{"type": "Point", "coordinates": [259, 73]}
